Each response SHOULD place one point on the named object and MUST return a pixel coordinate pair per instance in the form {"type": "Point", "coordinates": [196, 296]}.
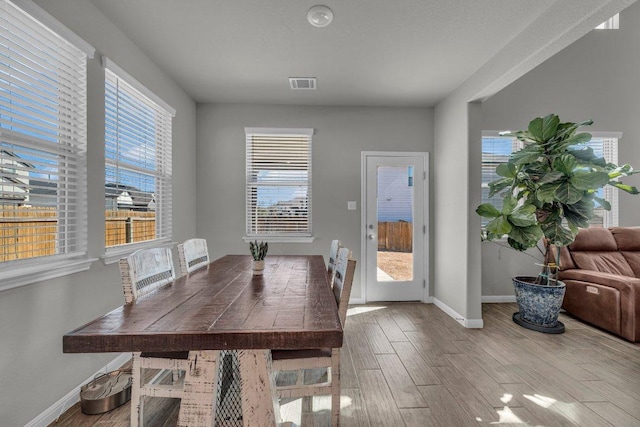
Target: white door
{"type": "Point", "coordinates": [394, 218]}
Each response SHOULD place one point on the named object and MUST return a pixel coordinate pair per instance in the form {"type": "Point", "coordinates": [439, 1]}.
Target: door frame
{"type": "Point", "coordinates": [363, 217]}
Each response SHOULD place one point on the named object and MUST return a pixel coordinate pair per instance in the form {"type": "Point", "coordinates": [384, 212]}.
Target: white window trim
{"type": "Point", "coordinates": [114, 253]}
{"type": "Point", "coordinates": [281, 239]}
{"type": "Point", "coordinates": [15, 274]}
{"type": "Point", "coordinates": [54, 25]}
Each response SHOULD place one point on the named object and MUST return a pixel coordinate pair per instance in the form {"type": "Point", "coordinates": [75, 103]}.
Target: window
{"type": "Point", "coordinates": [612, 23]}
{"type": "Point", "coordinates": [43, 131]}
{"type": "Point", "coordinates": [278, 191]}
{"type": "Point", "coordinates": [496, 150]}
{"type": "Point", "coordinates": [138, 178]}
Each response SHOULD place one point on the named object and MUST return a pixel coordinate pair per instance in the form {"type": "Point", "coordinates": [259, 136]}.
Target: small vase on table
{"type": "Point", "coordinates": [258, 252]}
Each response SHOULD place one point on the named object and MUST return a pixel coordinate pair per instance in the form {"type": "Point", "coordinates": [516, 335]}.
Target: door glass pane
{"type": "Point", "coordinates": [395, 223]}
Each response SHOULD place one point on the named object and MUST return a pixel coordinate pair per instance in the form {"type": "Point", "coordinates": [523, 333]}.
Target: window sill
{"type": "Point", "coordinates": [280, 239]}
{"type": "Point", "coordinates": [43, 270]}
{"type": "Point", "coordinates": [115, 253]}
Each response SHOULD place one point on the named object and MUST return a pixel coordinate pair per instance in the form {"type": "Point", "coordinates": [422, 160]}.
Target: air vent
{"type": "Point", "coordinates": [302, 83]}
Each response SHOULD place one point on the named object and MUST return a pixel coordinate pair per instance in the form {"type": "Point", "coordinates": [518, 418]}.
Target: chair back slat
{"type": "Point", "coordinates": [345, 268]}
{"type": "Point", "coordinates": [333, 254]}
{"type": "Point", "coordinates": [144, 271]}
{"type": "Point", "coordinates": [193, 254]}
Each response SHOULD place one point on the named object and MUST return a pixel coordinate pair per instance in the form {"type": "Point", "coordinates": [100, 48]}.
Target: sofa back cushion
{"type": "Point", "coordinates": [628, 239]}
{"type": "Point", "coordinates": [596, 249]}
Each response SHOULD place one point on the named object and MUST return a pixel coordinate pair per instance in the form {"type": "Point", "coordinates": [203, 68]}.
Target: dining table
{"type": "Point", "coordinates": [224, 306]}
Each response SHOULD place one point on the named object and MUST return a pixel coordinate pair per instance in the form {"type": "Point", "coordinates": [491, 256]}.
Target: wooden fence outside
{"type": "Point", "coordinates": [28, 232]}
{"type": "Point", "coordinates": [395, 236]}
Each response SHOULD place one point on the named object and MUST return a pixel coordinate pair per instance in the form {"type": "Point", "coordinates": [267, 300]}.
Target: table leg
{"type": "Point", "coordinates": [260, 407]}
{"type": "Point", "coordinates": [197, 407]}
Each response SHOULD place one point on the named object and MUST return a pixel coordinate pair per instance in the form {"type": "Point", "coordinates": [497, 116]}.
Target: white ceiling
{"type": "Point", "coordinates": [376, 52]}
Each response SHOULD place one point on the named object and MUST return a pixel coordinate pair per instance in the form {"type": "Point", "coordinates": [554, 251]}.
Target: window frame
{"type": "Point", "coordinates": [306, 237]}
{"type": "Point", "coordinates": [163, 168]}
{"type": "Point", "coordinates": [49, 33]}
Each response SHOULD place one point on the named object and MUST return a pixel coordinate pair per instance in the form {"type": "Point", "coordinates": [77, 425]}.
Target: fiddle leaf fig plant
{"type": "Point", "coordinates": [549, 187]}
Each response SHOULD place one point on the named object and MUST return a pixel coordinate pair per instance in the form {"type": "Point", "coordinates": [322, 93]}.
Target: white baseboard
{"type": "Point", "coordinates": [498, 298]}
{"type": "Point", "coordinates": [356, 300]}
{"type": "Point", "coordinates": [467, 323]}
{"type": "Point", "coordinates": [54, 411]}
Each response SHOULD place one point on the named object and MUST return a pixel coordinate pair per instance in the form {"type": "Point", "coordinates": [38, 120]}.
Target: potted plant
{"type": "Point", "coordinates": [549, 191]}
{"type": "Point", "coordinates": [258, 252]}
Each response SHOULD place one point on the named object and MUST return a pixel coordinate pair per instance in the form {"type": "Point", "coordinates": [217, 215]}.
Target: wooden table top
{"type": "Point", "coordinates": [223, 306]}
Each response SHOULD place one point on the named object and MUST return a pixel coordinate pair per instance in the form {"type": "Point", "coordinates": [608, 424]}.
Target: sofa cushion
{"type": "Point", "coordinates": [594, 239]}
{"type": "Point", "coordinates": [627, 238]}
{"type": "Point", "coordinates": [633, 258]}
{"type": "Point", "coordinates": [605, 262]}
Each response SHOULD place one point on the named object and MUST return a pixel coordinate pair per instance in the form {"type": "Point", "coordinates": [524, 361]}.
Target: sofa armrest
{"type": "Point", "coordinates": [629, 297]}
{"type": "Point", "coordinates": [605, 279]}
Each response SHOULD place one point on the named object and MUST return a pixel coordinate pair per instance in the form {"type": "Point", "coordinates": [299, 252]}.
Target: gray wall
{"type": "Point", "coordinates": [341, 134]}
{"type": "Point", "coordinates": [595, 78]}
{"type": "Point", "coordinates": [33, 370]}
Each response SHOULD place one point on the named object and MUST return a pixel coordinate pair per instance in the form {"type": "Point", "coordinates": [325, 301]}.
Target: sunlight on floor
{"type": "Point", "coordinates": [507, 417]}
{"type": "Point", "coordinates": [351, 311]}
{"type": "Point", "coordinates": [543, 401]}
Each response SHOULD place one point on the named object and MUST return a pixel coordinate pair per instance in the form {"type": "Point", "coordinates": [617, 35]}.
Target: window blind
{"type": "Point", "coordinates": [42, 140]}
{"type": "Point", "coordinates": [278, 190]}
{"type": "Point", "coordinates": [138, 175]}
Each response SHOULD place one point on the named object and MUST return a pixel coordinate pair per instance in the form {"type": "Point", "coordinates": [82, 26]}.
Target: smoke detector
{"type": "Point", "coordinates": [320, 16]}
{"type": "Point", "coordinates": [297, 83]}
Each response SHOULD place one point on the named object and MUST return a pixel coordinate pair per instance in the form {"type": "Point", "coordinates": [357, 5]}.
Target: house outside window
{"type": "Point", "coordinates": [496, 150]}
{"type": "Point", "coordinates": [278, 184]}
{"type": "Point", "coordinates": [138, 175]}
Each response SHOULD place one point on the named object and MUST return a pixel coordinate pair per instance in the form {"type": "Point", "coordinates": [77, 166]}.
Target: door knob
{"type": "Point", "coordinates": [371, 236]}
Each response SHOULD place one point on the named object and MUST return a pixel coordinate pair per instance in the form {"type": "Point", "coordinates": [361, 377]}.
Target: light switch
{"type": "Point", "coordinates": [352, 205]}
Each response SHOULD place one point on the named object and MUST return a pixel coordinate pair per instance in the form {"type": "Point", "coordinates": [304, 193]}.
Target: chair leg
{"type": "Point", "coordinates": [136, 378]}
{"type": "Point", "coordinates": [335, 387]}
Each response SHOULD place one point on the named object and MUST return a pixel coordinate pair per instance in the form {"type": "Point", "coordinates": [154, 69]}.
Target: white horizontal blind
{"type": "Point", "coordinates": [278, 192]}
{"type": "Point", "coordinates": [42, 140]}
{"type": "Point", "coordinates": [138, 176]}
{"type": "Point", "coordinates": [607, 148]}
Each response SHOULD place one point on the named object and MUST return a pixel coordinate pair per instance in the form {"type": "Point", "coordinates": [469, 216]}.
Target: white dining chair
{"type": "Point", "coordinates": [142, 273]}
{"type": "Point", "coordinates": [193, 255]}
{"type": "Point", "coordinates": [329, 358]}
{"type": "Point", "coordinates": [333, 254]}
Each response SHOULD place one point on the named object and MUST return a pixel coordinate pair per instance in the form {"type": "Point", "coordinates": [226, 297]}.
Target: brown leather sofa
{"type": "Point", "coordinates": [601, 269]}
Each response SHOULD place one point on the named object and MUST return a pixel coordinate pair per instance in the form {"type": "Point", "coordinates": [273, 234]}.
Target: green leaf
{"type": "Point", "coordinates": [550, 124]}
{"type": "Point", "coordinates": [525, 156]}
{"type": "Point", "coordinates": [546, 193]}
{"type": "Point", "coordinates": [552, 176]}
{"type": "Point", "coordinates": [499, 185]}
{"type": "Point", "coordinates": [557, 234]}
{"type": "Point", "coordinates": [579, 214]}
{"type": "Point", "coordinates": [517, 245]}
{"type": "Point", "coordinates": [565, 164]}
{"type": "Point", "coordinates": [605, 205]}
{"type": "Point", "coordinates": [587, 180]}
{"type": "Point", "coordinates": [507, 170]}
{"type": "Point", "coordinates": [509, 203]}
{"type": "Point", "coordinates": [628, 188]}
{"type": "Point", "coordinates": [499, 226]}
{"type": "Point", "coordinates": [523, 216]}
{"type": "Point", "coordinates": [567, 193]}
{"type": "Point", "coordinates": [580, 138]}
{"type": "Point", "coordinates": [535, 129]}
{"type": "Point", "coordinates": [487, 210]}
{"type": "Point", "coordinates": [527, 236]}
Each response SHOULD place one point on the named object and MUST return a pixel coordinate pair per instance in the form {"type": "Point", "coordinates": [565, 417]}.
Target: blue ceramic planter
{"type": "Point", "coordinates": [538, 304]}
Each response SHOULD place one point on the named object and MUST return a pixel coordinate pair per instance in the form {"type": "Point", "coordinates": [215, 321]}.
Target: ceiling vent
{"type": "Point", "coordinates": [302, 83]}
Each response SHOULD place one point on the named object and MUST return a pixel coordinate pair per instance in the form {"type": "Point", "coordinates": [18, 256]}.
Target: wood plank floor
{"type": "Point", "coordinates": [409, 364]}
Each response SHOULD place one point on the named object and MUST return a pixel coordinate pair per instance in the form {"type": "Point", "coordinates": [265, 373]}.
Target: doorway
{"type": "Point", "coordinates": [394, 220]}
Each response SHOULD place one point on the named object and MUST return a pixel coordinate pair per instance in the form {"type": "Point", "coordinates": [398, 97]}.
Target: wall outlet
{"type": "Point", "coordinates": [352, 205]}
